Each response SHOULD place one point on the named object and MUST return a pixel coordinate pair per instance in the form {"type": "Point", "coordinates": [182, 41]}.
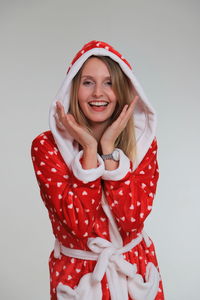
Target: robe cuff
{"type": "Point", "coordinates": [87, 175]}
{"type": "Point", "coordinates": [121, 171]}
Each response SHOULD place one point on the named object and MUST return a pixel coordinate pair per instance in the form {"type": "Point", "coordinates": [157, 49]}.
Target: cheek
{"type": "Point", "coordinates": [82, 94]}
{"type": "Point", "coordinates": [113, 98]}
{"type": "Point", "coordinates": [112, 95]}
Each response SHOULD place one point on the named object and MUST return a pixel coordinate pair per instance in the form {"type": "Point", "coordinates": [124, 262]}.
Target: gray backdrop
{"type": "Point", "coordinates": [38, 41]}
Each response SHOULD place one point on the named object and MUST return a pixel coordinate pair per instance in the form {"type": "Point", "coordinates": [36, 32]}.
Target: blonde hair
{"type": "Point", "coordinates": [124, 92]}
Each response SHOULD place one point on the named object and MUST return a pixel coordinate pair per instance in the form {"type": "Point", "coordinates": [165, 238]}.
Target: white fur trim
{"type": "Point", "coordinates": [87, 175]}
{"type": "Point", "coordinates": [121, 171]}
{"type": "Point", "coordinates": [84, 291]}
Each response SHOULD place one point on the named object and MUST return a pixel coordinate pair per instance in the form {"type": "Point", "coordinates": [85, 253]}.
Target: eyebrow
{"type": "Point", "coordinates": [89, 76]}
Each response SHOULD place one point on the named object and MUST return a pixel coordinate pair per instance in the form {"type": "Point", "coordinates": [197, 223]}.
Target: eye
{"type": "Point", "coordinates": [87, 82]}
{"type": "Point", "coordinates": [108, 82]}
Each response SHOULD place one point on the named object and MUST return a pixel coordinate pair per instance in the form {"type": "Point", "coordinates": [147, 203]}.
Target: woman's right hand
{"type": "Point", "coordinates": [79, 133]}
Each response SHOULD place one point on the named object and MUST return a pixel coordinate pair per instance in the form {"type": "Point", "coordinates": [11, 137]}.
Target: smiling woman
{"type": "Point", "coordinates": [96, 95]}
{"type": "Point", "coordinates": [101, 78]}
{"type": "Point", "coordinates": [97, 172]}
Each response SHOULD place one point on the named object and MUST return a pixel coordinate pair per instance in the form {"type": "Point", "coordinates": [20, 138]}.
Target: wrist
{"type": "Point", "coordinates": [106, 148]}
{"type": "Point", "coordinates": [89, 159]}
{"type": "Point", "coordinates": [90, 148]}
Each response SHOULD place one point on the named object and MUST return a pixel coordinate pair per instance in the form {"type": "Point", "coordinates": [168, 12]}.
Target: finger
{"type": "Point", "coordinates": [121, 116]}
{"type": "Point", "coordinates": [62, 116]}
{"type": "Point", "coordinates": [57, 102]}
{"type": "Point", "coordinates": [127, 113]}
{"type": "Point", "coordinates": [123, 112]}
{"type": "Point", "coordinates": [61, 112]}
{"type": "Point", "coordinates": [58, 108]}
{"type": "Point", "coordinates": [58, 105]}
{"type": "Point", "coordinates": [58, 113]}
{"type": "Point", "coordinates": [67, 120]}
{"type": "Point", "coordinates": [72, 120]}
{"type": "Point", "coordinates": [133, 102]}
{"type": "Point", "coordinates": [127, 110]}
{"type": "Point", "coordinates": [131, 107]}
{"type": "Point", "coordinates": [74, 126]}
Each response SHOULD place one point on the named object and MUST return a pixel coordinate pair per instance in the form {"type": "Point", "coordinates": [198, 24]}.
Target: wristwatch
{"type": "Point", "coordinates": [115, 155]}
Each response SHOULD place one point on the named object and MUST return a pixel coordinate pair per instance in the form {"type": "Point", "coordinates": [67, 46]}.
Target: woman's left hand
{"type": "Point", "coordinates": [113, 131]}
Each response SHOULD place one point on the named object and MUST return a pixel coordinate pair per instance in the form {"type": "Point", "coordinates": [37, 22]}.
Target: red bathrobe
{"type": "Point", "coordinates": [76, 214]}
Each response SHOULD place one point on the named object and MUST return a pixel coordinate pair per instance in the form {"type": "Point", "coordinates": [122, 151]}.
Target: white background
{"type": "Point", "coordinates": [161, 40]}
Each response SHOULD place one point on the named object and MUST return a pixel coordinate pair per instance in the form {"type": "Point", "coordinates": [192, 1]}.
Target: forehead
{"type": "Point", "coordinates": [95, 66]}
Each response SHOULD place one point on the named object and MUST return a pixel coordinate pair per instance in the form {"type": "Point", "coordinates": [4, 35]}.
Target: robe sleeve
{"type": "Point", "coordinates": [131, 197]}
{"type": "Point", "coordinates": [74, 201]}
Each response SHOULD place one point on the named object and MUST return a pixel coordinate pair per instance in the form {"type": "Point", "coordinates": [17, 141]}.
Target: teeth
{"type": "Point", "coordinates": [93, 103]}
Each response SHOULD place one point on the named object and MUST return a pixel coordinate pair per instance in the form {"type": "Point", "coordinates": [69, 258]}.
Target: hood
{"type": "Point", "coordinates": [144, 114]}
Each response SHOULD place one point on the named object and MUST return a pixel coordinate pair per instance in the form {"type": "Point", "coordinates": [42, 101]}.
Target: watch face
{"type": "Point", "coordinates": [116, 155]}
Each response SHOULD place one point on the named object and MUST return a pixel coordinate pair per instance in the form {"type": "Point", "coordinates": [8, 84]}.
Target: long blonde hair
{"type": "Point", "coordinates": [124, 92]}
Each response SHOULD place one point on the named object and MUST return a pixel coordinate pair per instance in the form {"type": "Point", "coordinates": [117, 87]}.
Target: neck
{"type": "Point", "coordinates": [98, 130]}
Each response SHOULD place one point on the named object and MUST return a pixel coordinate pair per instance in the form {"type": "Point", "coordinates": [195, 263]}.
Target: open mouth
{"type": "Point", "coordinates": [98, 103]}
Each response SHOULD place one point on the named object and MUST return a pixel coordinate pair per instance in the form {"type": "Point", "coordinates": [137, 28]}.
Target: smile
{"type": "Point", "coordinates": [98, 103]}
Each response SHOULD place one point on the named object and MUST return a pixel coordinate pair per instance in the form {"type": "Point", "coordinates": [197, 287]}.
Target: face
{"type": "Point", "coordinates": [95, 95]}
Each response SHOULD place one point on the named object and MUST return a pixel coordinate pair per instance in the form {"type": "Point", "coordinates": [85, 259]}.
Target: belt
{"type": "Point", "coordinates": [123, 279]}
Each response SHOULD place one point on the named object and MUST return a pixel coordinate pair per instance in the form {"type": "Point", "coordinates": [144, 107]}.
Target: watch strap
{"type": "Point", "coordinates": [107, 156]}
{"type": "Point", "coordinates": [110, 156]}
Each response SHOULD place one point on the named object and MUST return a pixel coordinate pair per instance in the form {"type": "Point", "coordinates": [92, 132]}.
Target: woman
{"type": "Point", "coordinates": [97, 171]}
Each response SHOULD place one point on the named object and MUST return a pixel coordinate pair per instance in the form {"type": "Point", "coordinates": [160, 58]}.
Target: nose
{"type": "Point", "coordinates": [97, 91]}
